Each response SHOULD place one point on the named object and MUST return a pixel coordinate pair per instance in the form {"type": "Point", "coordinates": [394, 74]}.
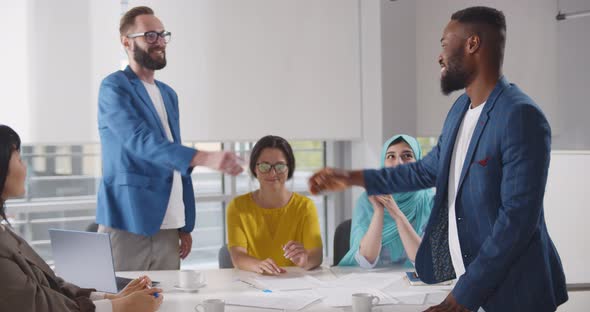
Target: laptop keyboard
{"type": "Point", "coordinates": [123, 281]}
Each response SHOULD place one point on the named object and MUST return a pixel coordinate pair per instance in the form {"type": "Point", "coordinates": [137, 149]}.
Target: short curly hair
{"type": "Point", "coordinates": [488, 23]}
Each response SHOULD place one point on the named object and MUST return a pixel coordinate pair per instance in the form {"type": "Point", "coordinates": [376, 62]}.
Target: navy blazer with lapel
{"type": "Point", "coordinates": [138, 160]}
{"type": "Point", "coordinates": [511, 263]}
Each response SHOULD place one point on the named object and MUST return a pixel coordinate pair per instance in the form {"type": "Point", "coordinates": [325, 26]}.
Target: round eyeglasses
{"type": "Point", "coordinates": [266, 167]}
{"type": "Point", "coordinates": [152, 37]}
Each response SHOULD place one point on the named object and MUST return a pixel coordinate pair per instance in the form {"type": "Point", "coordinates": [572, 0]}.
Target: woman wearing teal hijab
{"type": "Point", "coordinates": [386, 229]}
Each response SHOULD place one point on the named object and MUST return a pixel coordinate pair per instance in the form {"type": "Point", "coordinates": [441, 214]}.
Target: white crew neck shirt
{"type": "Point", "coordinates": [174, 217]}
{"type": "Point", "coordinates": [459, 153]}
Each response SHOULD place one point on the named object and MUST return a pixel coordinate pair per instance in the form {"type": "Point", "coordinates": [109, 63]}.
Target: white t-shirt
{"type": "Point", "coordinates": [174, 218]}
{"type": "Point", "coordinates": [459, 153]}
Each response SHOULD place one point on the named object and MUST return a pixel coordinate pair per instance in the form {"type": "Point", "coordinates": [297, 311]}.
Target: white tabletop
{"type": "Point", "coordinates": [222, 283]}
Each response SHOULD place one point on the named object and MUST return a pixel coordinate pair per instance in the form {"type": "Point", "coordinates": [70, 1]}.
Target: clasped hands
{"type": "Point", "coordinates": [138, 295]}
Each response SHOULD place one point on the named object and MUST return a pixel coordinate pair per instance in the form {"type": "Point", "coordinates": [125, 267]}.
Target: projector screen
{"type": "Point", "coordinates": [244, 69]}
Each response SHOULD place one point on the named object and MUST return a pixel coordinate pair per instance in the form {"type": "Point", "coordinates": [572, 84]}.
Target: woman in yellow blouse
{"type": "Point", "coordinates": [273, 227]}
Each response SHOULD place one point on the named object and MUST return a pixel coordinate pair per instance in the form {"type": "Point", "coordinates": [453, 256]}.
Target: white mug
{"type": "Point", "coordinates": [189, 279]}
{"type": "Point", "coordinates": [211, 305]}
{"type": "Point", "coordinates": [363, 302]}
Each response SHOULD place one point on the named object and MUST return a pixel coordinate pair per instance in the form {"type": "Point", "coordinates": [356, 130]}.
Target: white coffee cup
{"type": "Point", "coordinates": [211, 305]}
{"type": "Point", "coordinates": [363, 302]}
{"type": "Point", "coordinates": [190, 279]}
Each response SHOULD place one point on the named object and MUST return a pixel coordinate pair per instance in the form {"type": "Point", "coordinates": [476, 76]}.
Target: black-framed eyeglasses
{"type": "Point", "coordinates": [153, 36]}
{"type": "Point", "coordinates": [266, 167]}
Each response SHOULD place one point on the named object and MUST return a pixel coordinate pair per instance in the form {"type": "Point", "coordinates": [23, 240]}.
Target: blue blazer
{"type": "Point", "coordinates": [511, 263]}
{"type": "Point", "coordinates": [137, 159]}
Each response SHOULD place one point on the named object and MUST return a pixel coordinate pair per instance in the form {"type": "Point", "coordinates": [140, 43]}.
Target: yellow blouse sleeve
{"type": "Point", "coordinates": [235, 233]}
{"type": "Point", "coordinates": [312, 237]}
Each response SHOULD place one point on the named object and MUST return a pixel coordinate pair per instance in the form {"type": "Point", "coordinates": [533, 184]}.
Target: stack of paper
{"type": "Point", "coordinates": [408, 297]}
{"type": "Point", "coordinates": [285, 282]}
{"type": "Point", "coordinates": [365, 280]}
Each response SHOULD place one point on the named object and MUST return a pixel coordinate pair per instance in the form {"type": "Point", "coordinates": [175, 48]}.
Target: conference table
{"type": "Point", "coordinates": [224, 283]}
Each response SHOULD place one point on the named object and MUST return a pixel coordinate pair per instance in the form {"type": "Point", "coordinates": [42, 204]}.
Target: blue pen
{"type": "Point", "coordinates": [156, 295]}
{"type": "Point", "coordinates": [254, 286]}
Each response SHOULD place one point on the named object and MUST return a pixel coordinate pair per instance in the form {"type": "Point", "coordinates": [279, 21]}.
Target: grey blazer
{"type": "Point", "coordinates": [27, 283]}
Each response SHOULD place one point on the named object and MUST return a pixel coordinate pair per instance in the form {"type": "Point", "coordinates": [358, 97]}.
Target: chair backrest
{"type": "Point", "coordinates": [92, 227]}
{"type": "Point", "coordinates": [341, 240]}
{"type": "Point", "coordinates": [224, 258]}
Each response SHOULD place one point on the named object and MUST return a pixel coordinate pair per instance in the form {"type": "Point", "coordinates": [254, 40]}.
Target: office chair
{"type": "Point", "coordinates": [92, 227]}
{"type": "Point", "coordinates": [224, 258]}
{"type": "Point", "coordinates": [341, 240]}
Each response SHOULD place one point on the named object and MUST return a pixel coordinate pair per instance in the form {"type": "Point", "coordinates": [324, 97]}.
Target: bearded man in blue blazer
{"type": "Point", "coordinates": [145, 199]}
{"type": "Point", "coordinates": [489, 167]}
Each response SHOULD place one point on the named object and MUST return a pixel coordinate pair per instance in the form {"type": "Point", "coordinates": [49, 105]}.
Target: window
{"type": "Point", "coordinates": [62, 182]}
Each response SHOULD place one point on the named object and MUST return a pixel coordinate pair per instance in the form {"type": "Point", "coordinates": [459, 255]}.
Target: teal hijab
{"type": "Point", "coordinates": [416, 206]}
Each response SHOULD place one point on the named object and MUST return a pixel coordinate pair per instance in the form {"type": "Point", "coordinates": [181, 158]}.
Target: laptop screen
{"type": "Point", "coordinates": [84, 259]}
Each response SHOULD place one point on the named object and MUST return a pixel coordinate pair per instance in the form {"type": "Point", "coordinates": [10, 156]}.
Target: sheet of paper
{"type": "Point", "coordinates": [285, 282]}
{"type": "Point", "coordinates": [342, 297]}
{"type": "Point", "coordinates": [408, 297]}
{"type": "Point", "coordinates": [436, 297]}
{"type": "Point", "coordinates": [281, 301]}
{"type": "Point", "coordinates": [366, 280]}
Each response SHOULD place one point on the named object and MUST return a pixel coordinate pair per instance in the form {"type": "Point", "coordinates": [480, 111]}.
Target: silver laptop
{"type": "Point", "coordinates": [85, 259]}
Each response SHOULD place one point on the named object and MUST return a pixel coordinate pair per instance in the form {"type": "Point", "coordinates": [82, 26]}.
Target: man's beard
{"type": "Point", "coordinates": [456, 77]}
{"type": "Point", "coordinates": [144, 59]}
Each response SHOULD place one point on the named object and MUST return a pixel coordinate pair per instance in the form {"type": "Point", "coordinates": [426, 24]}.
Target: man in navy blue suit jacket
{"type": "Point", "coordinates": [145, 198]}
{"type": "Point", "coordinates": [487, 226]}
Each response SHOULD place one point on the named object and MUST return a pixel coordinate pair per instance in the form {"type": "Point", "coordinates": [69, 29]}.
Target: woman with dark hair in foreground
{"type": "Point", "coordinates": [28, 283]}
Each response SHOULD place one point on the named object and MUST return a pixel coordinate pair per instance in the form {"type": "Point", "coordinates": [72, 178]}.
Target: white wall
{"type": "Point", "coordinates": [241, 69]}
{"type": "Point", "coordinates": [567, 215]}
{"type": "Point", "coordinates": [398, 65]}
{"type": "Point", "coordinates": [59, 82]}
{"type": "Point", "coordinates": [244, 69]}
{"type": "Point", "coordinates": [530, 58]}
{"type": "Point", "coordinates": [365, 152]}
{"type": "Point", "coordinates": [573, 77]}
{"type": "Point", "coordinates": [106, 51]}
{"type": "Point", "coordinates": [14, 103]}
{"type": "Point", "coordinates": [58, 53]}
{"type": "Point", "coordinates": [566, 212]}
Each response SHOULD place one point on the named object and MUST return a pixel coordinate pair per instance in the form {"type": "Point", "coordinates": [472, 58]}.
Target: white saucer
{"type": "Point", "coordinates": [191, 289]}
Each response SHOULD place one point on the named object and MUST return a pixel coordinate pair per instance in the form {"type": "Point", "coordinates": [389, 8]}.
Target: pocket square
{"type": "Point", "coordinates": [484, 162]}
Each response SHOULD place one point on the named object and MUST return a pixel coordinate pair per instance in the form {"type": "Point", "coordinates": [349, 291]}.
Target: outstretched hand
{"type": "Point", "coordinates": [224, 161]}
{"type": "Point", "coordinates": [329, 179]}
